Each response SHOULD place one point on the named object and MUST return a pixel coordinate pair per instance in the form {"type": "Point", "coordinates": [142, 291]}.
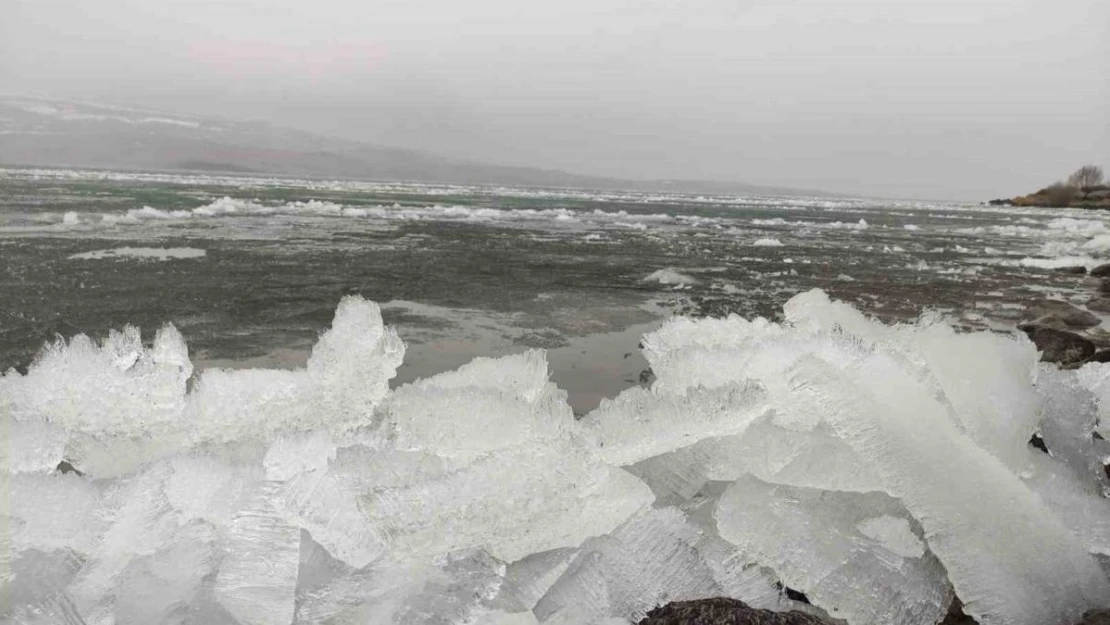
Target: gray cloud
{"type": "Point", "coordinates": [918, 98]}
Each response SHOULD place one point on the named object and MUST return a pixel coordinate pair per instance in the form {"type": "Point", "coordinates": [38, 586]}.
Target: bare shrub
{"type": "Point", "coordinates": [1060, 194]}
{"type": "Point", "coordinates": [1086, 177]}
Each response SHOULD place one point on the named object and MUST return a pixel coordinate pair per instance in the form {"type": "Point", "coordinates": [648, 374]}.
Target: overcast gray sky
{"type": "Point", "coordinates": [925, 98]}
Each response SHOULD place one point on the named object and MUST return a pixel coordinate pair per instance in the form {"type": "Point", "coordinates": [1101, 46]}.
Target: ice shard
{"type": "Point", "coordinates": [830, 545]}
{"type": "Point", "coordinates": [974, 511]}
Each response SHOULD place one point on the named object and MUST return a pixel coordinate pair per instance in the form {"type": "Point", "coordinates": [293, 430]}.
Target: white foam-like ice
{"type": "Point", "coordinates": [142, 253]}
{"type": "Point", "coordinates": [670, 277]}
{"type": "Point", "coordinates": [767, 242]}
{"type": "Point", "coordinates": [875, 468]}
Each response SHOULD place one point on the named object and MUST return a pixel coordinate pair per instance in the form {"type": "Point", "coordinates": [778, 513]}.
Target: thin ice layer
{"type": "Point", "coordinates": [512, 502]}
{"type": "Point", "coordinates": [812, 458]}
{"type": "Point", "coordinates": [1085, 513]}
{"type": "Point", "coordinates": [1008, 557]}
{"type": "Point", "coordinates": [639, 424]}
{"type": "Point", "coordinates": [329, 502]}
{"type": "Point", "coordinates": [813, 540]}
{"type": "Point", "coordinates": [257, 579]}
{"type": "Point", "coordinates": [82, 396]}
{"type": "Point", "coordinates": [488, 404]}
{"type": "Point", "coordinates": [982, 379]}
{"type": "Point", "coordinates": [461, 587]}
{"type": "Point", "coordinates": [647, 561]}
{"type": "Point", "coordinates": [346, 377]}
{"type": "Point", "coordinates": [1068, 427]}
{"type": "Point", "coordinates": [1095, 377]}
{"type": "Point", "coordinates": [160, 587]}
{"type": "Point", "coordinates": [36, 584]}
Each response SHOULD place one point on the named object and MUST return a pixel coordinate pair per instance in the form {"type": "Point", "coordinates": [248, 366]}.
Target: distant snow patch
{"type": "Point", "coordinates": [142, 253]}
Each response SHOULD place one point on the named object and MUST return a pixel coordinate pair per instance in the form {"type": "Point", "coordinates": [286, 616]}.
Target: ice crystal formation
{"type": "Point", "coordinates": [880, 470]}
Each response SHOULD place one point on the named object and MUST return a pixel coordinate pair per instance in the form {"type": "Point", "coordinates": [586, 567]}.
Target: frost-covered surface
{"type": "Point", "coordinates": [880, 470]}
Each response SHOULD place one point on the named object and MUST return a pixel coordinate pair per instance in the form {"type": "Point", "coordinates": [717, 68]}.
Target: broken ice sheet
{"type": "Point", "coordinates": [814, 541]}
{"type": "Point", "coordinates": [1008, 557]}
{"type": "Point", "coordinates": [639, 424]}
{"type": "Point", "coordinates": [115, 387]}
{"type": "Point", "coordinates": [161, 587]}
{"type": "Point", "coordinates": [34, 446]}
{"type": "Point", "coordinates": [1068, 427]}
{"type": "Point", "coordinates": [813, 458]}
{"type": "Point", "coordinates": [655, 557]}
{"type": "Point", "coordinates": [512, 502]}
{"type": "Point", "coordinates": [36, 501]}
{"type": "Point", "coordinates": [274, 495]}
{"type": "Point", "coordinates": [460, 587]}
{"type": "Point", "coordinates": [1085, 513]}
{"type": "Point", "coordinates": [257, 578]}
{"type": "Point", "coordinates": [37, 580]}
{"type": "Point", "coordinates": [488, 404]}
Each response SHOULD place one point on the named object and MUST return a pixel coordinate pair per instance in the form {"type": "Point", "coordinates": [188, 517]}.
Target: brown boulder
{"type": "Point", "coordinates": [1047, 321]}
{"type": "Point", "coordinates": [1074, 269]}
{"type": "Point", "coordinates": [1099, 304]}
{"type": "Point", "coordinates": [1061, 346]}
{"type": "Point", "coordinates": [722, 611]}
{"type": "Point", "coordinates": [1071, 315]}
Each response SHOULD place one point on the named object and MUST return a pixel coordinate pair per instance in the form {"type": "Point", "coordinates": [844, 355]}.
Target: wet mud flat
{"type": "Point", "coordinates": [467, 271]}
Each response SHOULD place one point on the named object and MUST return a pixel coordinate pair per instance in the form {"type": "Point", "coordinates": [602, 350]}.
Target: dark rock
{"type": "Point", "coordinates": [1000, 202]}
{"type": "Point", "coordinates": [1038, 442]}
{"type": "Point", "coordinates": [1099, 304]}
{"type": "Point", "coordinates": [65, 467]}
{"type": "Point", "coordinates": [956, 614]}
{"type": "Point", "coordinates": [1078, 270]}
{"type": "Point", "coordinates": [1047, 321]}
{"type": "Point", "coordinates": [721, 611]}
{"type": "Point", "coordinates": [1071, 315]}
{"type": "Point", "coordinates": [796, 595]}
{"type": "Point", "coordinates": [647, 377]}
{"type": "Point", "coordinates": [1100, 356]}
{"type": "Point", "coordinates": [1061, 346]}
{"type": "Point", "coordinates": [1096, 617]}
{"type": "Point", "coordinates": [1101, 271]}
{"type": "Point", "coordinates": [1104, 286]}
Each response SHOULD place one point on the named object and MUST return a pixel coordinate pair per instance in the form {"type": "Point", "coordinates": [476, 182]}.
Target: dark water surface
{"type": "Point", "coordinates": [467, 271]}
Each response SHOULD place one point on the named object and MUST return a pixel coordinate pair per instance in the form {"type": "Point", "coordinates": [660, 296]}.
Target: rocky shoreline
{"type": "Point", "coordinates": [721, 611]}
{"type": "Point", "coordinates": [1083, 189]}
{"type": "Point", "coordinates": [1066, 334]}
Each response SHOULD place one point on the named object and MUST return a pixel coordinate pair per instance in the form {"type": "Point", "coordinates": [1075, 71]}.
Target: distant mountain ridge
{"type": "Point", "coordinates": [52, 133]}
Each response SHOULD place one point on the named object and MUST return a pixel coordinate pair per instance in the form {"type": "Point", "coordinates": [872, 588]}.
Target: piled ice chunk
{"type": "Point", "coordinates": [880, 470]}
